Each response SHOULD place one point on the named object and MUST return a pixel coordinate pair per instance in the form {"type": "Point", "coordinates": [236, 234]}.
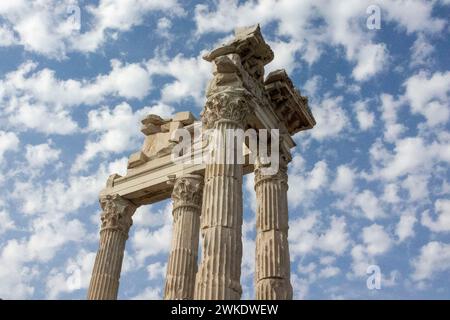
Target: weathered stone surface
{"type": "Point", "coordinates": [272, 267]}
{"type": "Point", "coordinates": [182, 265]}
{"type": "Point", "coordinates": [115, 223]}
{"type": "Point", "coordinates": [291, 107]}
{"type": "Point", "coordinates": [219, 273]}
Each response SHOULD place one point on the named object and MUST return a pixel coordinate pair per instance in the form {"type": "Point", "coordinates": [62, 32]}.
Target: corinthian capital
{"type": "Point", "coordinates": [117, 213]}
{"type": "Point", "coordinates": [233, 105]}
{"type": "Point", "coordinates": [281, 173]}
{"type": "Point", "coordinates": [188, 190]}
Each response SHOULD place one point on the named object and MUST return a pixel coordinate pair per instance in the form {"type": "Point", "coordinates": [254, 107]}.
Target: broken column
{"type": "Point", "coordinates": [182, 265]}
{"type": "Point", "coordinates": [116, 220]}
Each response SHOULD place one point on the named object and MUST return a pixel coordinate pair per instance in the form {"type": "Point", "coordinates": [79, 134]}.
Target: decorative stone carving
{"type": "Point", "coordinates": [117, 213]}
{"type": "Point", "coordinates": [230, 105]}
{"type": "Point", "coordinates": [187, 191]}
{"type": "Point", "coordinates": [291, 107]}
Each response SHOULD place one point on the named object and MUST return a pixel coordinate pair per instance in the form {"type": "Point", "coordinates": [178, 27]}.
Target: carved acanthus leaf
{"type": "Point", "coordinates": [117, 213]}
{"type": "Point", "coordinates": [188, 190]}
{"type": "Point", "coordinates": [231, 105]}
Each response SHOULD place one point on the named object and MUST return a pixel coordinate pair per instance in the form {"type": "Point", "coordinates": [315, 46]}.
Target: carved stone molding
{"type": "Point", "coordinates": [117, 213]}
{"type": "Point", "coordinates": [231, 105]}
{"type": "Point", "coordinates": [188, 190]}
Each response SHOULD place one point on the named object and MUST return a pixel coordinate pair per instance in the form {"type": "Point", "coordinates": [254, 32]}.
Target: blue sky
{"type": "Point", "coordinates": [368, 185]}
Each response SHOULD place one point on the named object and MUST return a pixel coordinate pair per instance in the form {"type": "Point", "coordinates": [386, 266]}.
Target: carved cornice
{"type": "Point", "coordinates": [188, 191]}
{"type": "Point", "coordinates": [117, 213]}
{"type": "Point", "coordinates": [230, 105]}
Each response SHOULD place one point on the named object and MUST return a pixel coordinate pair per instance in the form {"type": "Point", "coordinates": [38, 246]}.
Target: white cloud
{"type": "Point", "coordinates": [302, 239]}
{"type": "Point", "coordinates": [190, 77]}
{"type": "Point", "coordinates": [43, 86]}
{"type": "Point", "coordinates": [305, 185]}
{"type": "Point", "coordinates": [7, 223]}
{"type": "Point", "coordinates": [413, 156]}
{"type": "Point", "coordinates": [369, 205]}
{"type": "Point", "coordinates": [434, 258]}
{"type": "Point", "coordinates": [421, 52]}
{"type": "Point", "coordinates": [52, 28]}
{"type": "Point", "coordinates": [335, 239]}
{"type": "Point", "coordinates": [390, 194]}
{"type": "Point", "coordinates": [305, 236]}
{"type": "Point", "coordinates": [405, 227]}
{"type": "Point", "coordinates": [330, 117]}
{"type": "Point", "coordinates": [115, 131]}
{"type": "Point", "coordinates": [42, 119]}
{"type": "Point", "coordinates": [160, 238]}
{"type": "Point", "coordinates": [8, 142]}
{"type": "Point", "coordinates": [311, 86]}
{"type": "Point", "coordinates": [38, 100]}
{"type": "Point", "coordinates": [389, 109]}
{"type": "Point", "coordinates": [342, 28]}
{"type": "Point", "coordinates": [14, 285]}
{"type": "Point", "coordinates": [377, 241]}
{"type": "Point", "coordinates": [365, 118]}
{"type": "Point", "coordinates": [146, 216]}
{"type": "Point", "coordinates": [284, 56]}
{"type": "Point", "coordinates": [46, 237]}
{"type": "Point", "coordinates": [113, 16]}
{"type": "Point", "coordinates": [410, 154]}
{"type": "Point", "coordinates": [442, 221]}
{"type": "Point", "coordinates": [156, 270]}
{"type": "Point", "coordinates": [57, 197]}
{"type": "Point", "coordinates": [75, 276]}
{"type": "Point", "coordinates": [372, 58]}
{"type": "Point", "coordinates": [413, 16]}
{"type": "Point", "coordinates": [329, 272]}
{"type": "Point", "coordinates": [41, 154]}
{"type": "Point", "coordinates": [6, 37]}
{"type": "Point", "coordinates": [150, 293]}
{"type": "Point", "coordinates": [417, 186]}
{"type": "Point", "coordinates": [163, 26]}
{"type": "Point", "coordinates": [344, 181]}
{"type": "Point", "coordinates": [428, 95]}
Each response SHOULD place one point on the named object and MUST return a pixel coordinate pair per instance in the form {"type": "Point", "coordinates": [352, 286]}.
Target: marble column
{"type": "Point", "coordinates": [221, 220]}
{"type": "Point", "coordinates": [272, 269]}
{"type": "Point", "coordinates": [182, 265]}
{"type": "Point", "coordinates": [115, 223]}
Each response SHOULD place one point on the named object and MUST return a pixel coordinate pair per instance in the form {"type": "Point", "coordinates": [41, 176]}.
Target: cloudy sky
{"type": "Point", "coordinates": [368, 185]}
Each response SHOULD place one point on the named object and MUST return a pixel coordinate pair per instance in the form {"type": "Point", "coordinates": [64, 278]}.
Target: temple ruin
{"type": "Point", "coordinates": [207, 196]}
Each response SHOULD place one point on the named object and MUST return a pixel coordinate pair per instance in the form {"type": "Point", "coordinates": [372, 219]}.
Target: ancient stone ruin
{"type": "Point", "coordinates": [207, 196]}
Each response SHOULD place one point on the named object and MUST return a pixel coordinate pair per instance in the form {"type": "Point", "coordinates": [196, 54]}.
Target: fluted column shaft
{"type": "Point", "coordinates": [182, 265]}
{"type": "Point", "coordinates": [221, 221]}
{"type": "Point", "coordinates": [272, 274]}
{"type": "Point", "coordinates": [116, 221]}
